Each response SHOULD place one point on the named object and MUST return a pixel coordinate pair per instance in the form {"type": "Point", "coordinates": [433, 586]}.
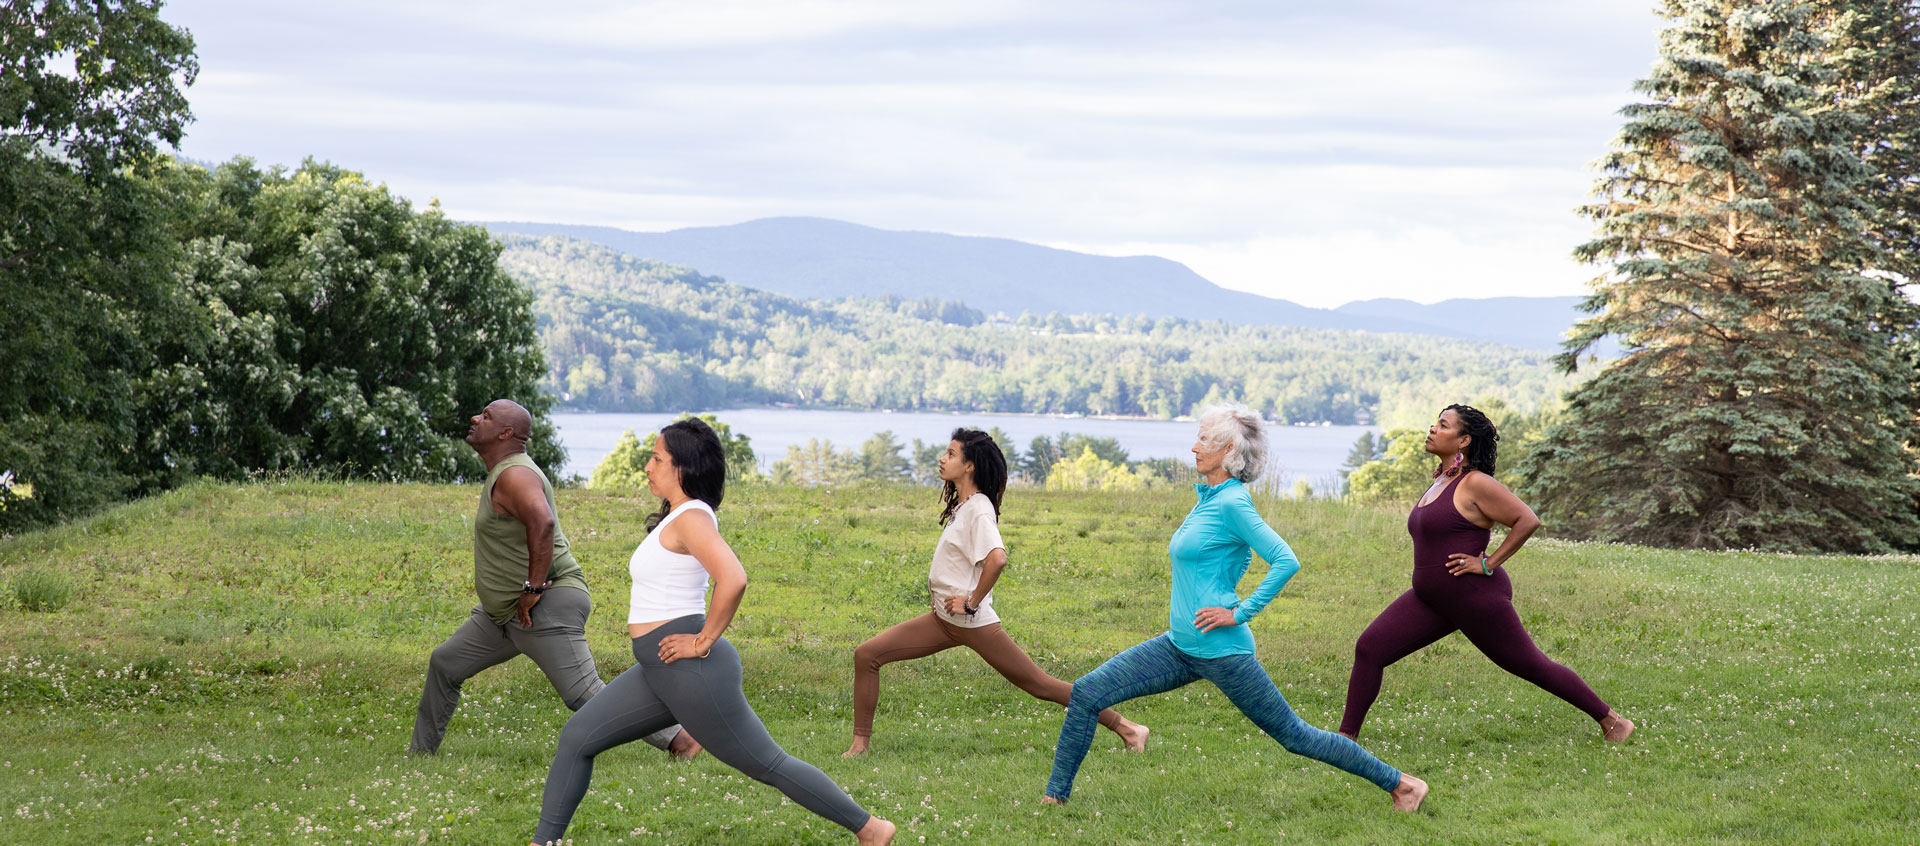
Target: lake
{"type": "Point", "coordinates": [1313, 453]}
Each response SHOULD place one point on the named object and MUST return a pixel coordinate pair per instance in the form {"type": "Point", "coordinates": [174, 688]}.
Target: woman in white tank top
{"type": "Point", "coordinates": [685, 670]}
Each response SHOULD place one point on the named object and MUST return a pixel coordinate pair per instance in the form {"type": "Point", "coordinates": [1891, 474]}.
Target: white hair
{"type": "Point", "coordinates": [1244, 435]}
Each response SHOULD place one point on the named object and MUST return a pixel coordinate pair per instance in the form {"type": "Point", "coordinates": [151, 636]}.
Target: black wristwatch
{"type": "Point", "coordinates": [968, 608]}
{"type": "Point", "coordinates": [529, 587]}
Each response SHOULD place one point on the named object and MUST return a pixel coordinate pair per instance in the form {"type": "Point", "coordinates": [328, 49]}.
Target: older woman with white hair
{"type": "Point", "coordinates": [1207, 636]}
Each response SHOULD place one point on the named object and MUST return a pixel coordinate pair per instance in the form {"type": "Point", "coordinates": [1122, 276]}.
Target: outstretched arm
{"type": "Point", "coordinates": [702, 540]}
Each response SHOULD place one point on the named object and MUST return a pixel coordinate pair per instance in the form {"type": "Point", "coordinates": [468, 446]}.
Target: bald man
{"type": "Point", "coordinates": [533, 598]}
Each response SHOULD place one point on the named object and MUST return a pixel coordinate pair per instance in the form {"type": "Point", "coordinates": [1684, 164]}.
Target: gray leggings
{"type": "Point", "coordinates": [557, 642]}
{"type": "Point", "coordinates": [702, 694]}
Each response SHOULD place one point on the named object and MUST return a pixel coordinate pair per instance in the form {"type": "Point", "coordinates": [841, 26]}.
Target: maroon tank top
{"type": "Point", "coordinates": [1439, 530]}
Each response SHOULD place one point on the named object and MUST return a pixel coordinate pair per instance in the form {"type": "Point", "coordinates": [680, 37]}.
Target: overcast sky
{"type": "Point", "coordinates": [1319, 152]}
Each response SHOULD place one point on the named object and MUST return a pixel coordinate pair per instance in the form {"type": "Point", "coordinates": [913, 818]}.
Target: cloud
{"type": "Point", "coordinates": [1239, 135]}
{"type": "Point", "coordinates": [1425, 265]}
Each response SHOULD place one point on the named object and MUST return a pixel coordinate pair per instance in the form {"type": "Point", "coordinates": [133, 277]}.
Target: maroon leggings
{"type": "Point", "coordinates": [1481, 607]}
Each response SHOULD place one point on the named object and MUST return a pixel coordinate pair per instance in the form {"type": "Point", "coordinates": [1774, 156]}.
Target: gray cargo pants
{"type": "Point", "coordinates": [557, 642]}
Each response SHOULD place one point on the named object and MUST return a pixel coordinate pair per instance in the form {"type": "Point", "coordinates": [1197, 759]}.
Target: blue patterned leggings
{"type": "Point", "coordinates": [1156, 666]}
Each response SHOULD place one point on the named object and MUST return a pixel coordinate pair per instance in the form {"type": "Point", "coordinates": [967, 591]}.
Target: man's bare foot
{"type": "Point", "coordinates": [858, 748]}
{"type": "Point", "coordinates": [1408, 796]}
{"type": "Point", "coordinates": [877, 832]}
{"type": "Point", "coordinates": [1133, 734]}
{"type": "Point", "coordinates": [1615, 728]}
{"type": "Point", "coordinates": [683, 747]}
{"type": "Point", "coordinates": [1049, 800]}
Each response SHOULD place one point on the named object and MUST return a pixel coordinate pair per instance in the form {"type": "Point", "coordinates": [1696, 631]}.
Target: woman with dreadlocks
{"type": "Point", "coordinates": [967, 562]}
{"type": "Point", "coordinates": [1458, 585]}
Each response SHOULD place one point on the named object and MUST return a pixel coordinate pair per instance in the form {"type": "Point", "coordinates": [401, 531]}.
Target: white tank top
{"type": "Point", "coordinates": [667, 585]}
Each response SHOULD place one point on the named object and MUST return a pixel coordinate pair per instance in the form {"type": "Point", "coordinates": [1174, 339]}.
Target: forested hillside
{"type": "Point", "coordinates": [816, 258]}
{"type": "Point", "coordinates": [629, 334]}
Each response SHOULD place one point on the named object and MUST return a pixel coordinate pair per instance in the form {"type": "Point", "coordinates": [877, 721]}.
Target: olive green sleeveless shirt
{"type": "Point", "coordinates": [500, 548]}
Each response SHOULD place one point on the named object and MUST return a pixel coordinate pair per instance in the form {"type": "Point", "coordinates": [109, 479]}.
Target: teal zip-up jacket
{"type": "Point", "coordinates": [1211, 551]}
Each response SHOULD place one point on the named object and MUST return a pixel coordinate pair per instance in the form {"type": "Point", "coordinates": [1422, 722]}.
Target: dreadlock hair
{"type": "Point", "coordinates": [696, 452]}
{"type": "Point", "coordinates": [1485, 446]}
{"type": "Point", "coordinates": [989, 471]}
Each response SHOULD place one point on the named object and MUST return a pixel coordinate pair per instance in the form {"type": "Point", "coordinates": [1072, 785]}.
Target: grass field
{"type": "Point", "coordinates": [240, 664]}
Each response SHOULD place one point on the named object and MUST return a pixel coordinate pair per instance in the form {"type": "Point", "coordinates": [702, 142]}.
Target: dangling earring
{"type": "Point", "coordinates": [1454, 468]}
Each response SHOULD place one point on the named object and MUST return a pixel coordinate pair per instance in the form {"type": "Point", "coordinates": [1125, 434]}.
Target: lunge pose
{"type": "Point", "coordinates": [1207, 635]}
{"type": "Point", "coordinates": [533, 599]}
{"type": "Point", "coordinates": [1458, 585]}
{"type": "Point", "coordinates": [686, 671]}
{"type": "Point", "coordinates": [966, 564]}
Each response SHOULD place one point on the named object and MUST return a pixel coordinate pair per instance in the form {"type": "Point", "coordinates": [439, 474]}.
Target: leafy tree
{"type": "Point", "coordinates": [1760, 401]}
{"type": "Point", "coordinates": [1107, 448]}
{"type": "Point", "coordinates": [339, 329]}
{"type": "Point", "coordinates": [625, 468]}
{"type": "Point", "coordinates": [1301, 490]}
{"type": "Point", "coordinates": [1088, 471]}
{"type": "Point", "coordinates": [1400, 476]}
{"type": "Point", "coordinates": [121, 98]}
{"type": "Point", "coordinates": [88, 92]}
{"type": "Point", "coordinates": [1167, 471]}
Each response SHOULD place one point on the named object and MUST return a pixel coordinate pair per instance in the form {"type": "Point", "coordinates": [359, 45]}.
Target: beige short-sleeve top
{"type": "Point", "coordinates": [968, 538]}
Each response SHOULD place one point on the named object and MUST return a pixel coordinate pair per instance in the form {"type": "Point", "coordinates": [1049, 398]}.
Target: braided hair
{"type": "Point", "coordinates": [989, 471]}
{"type": "Point", "coordinates": [1485, 446]}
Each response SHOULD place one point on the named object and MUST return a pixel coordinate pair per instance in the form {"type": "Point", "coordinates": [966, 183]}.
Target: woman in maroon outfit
{"type": "Point", "coordinates": [1458, 585]}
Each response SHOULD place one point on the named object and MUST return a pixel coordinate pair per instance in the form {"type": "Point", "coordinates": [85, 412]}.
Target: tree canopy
{"type": "Point", "coordinates": [1744, 226]}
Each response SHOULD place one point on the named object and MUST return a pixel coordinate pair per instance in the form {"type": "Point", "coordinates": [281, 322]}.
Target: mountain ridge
{"type": "Point", "coordinates": [820, 258]}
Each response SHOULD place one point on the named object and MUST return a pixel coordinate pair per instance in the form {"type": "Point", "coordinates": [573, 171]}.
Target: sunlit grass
{"type": "Point", "coordinates": [240, 664]}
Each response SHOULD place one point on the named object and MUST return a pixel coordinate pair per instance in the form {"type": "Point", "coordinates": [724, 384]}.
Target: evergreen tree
{"type": "Point", "coordinates": [1366, 448]}
{"type": "Point", "coordinates": [926, 462]}
{"type": "Point", "coordinates": [1877, 45]}
{"type": "Point", "coordinates": [881, 461]}
{"type": "Point", "coordinates": [816, 463]}
{"type": "Point", "coordinates": [1760, 401]}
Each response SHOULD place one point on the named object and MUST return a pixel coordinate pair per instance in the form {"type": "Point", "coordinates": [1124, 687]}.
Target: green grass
{"type": "Point", "coordinates": [240, 664]}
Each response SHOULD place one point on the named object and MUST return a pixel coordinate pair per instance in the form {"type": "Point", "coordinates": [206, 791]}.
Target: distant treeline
{"type": "Point", "coordinates": [627, 334]}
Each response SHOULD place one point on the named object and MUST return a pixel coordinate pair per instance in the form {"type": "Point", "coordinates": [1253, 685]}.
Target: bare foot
{"type": "Point", "coordinates": [1049, 800]}
{"type": "Point", "coordinates": [858, 748]}
{"type": "Point", "coordinates": [1408, 796]}
{"type": "Point", "coordinates": [683, 747]}
{"type": "Point", "coordinates": [1134, 735]}
{"type": "Point", "coordinates": [1615, 728]}
{"type": "Point", "coordinates": [1353, 738]}
{"type": "Point", "coordinates": [877, 832]}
